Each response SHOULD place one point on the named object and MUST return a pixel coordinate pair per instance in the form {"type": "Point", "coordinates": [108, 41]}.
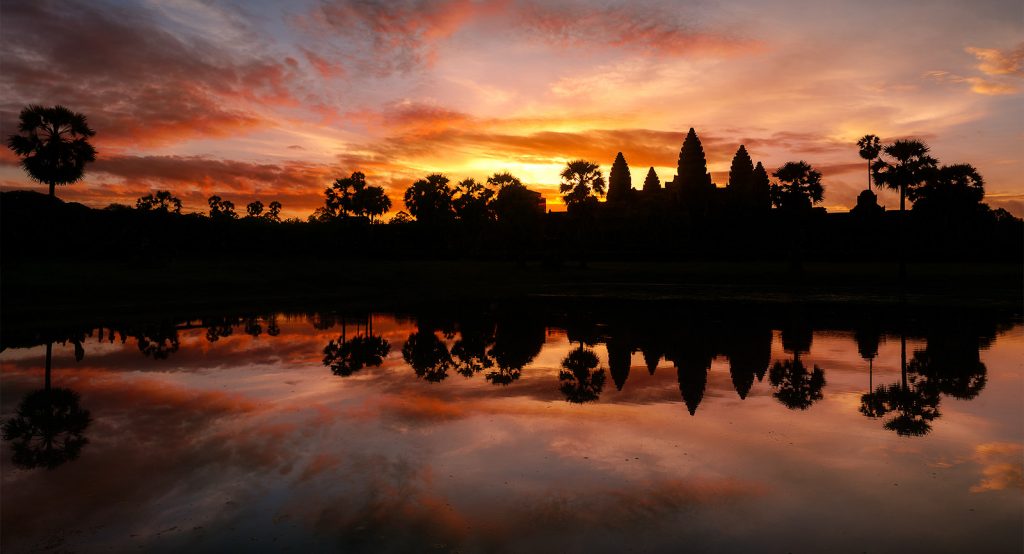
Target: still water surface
{"type": "Point", "coordinates": [527, 431]}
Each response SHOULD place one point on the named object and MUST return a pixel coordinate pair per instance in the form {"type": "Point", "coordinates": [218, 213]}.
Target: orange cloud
{"type": "Point", "coordinates": [1001, 466]}
{"type": "Point", "coordinates": [993, 61]}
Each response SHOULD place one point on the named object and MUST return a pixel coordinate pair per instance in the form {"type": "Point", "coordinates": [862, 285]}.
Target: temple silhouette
{"type": "Point", "coordinates": [691, 192]}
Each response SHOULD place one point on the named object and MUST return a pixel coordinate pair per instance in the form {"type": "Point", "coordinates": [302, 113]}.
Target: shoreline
{"type": "Point", "coordinates": [60, 291]}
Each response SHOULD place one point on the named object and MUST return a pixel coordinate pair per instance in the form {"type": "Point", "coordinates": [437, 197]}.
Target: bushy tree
{"type": "Point", "coordinates": [273, 212]}
{"type": "Point", "coordinates": [339, 198]}
{"type": "Point", "coordinates": [254, 209]}
{"type": "Point", "coordinates": [53, 145]}
{"type": "Point", "coordinates": [161, 201]}
{"type": "Point", "coordinates": [953, 190]}
{"type": "Point", "coordinates": [351, 196]}
{"type": "Point", "coordinates": [472, 202]}
{"type": "Point", "coordinates": [221, 209]}
{"type": "Point", "coordinates": [798, 188]}
{"type": "Point", "coordinates": [515, 203]}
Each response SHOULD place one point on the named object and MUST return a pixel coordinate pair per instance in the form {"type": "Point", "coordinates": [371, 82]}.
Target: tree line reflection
{"type": "Point", "coordinates": [49, 426]}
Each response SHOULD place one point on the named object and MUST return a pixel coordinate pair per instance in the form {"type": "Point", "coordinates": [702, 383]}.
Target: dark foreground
{"type": "Point", "coordinates": [42, 291]}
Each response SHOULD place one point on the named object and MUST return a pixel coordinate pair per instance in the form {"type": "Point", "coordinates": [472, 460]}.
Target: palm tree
{"type": "Point", "coordinates": [909, 167]}
{"type": "Point", "coordinates": [53, 144]}
{"type": "Point", "coordinates": [501, 180]}
{"type": "Point", "coordinates": [430, 200]}
{"type": "Point", "coordinates": [372, 202]}
{"type": "Point", "coordinates": [581, 181]}
{"type": "Point", "coordinates": [472, 204]}
{"type": "Point", "coordinates": [870, 147]}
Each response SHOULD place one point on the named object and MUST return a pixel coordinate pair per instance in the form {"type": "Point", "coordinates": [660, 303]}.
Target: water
{"type": "Point", "coordinates": [569, 428]}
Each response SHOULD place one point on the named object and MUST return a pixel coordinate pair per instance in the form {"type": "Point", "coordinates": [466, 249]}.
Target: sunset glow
{"type": "Point", "coordinates": [260, 100]}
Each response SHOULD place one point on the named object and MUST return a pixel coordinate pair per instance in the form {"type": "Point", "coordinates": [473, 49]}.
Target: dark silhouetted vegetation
{"type": "Point", "coordinates": [53, 144]}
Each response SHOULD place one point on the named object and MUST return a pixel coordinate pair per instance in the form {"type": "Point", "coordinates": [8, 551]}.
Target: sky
{"type": "Point", "coordinates": [260, 100]}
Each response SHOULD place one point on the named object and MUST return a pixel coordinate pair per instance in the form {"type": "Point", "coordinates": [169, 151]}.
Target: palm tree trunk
{"type": "Point", "coordinates": [53, 187]}
{"type": "Point", "coordinates": [903, 359]}
{"type": "Point", "coordinates": [869, 175]}
{"type": "Point", "coordinates": [49, 362]}
{"type": "Point", "coordinates": [903, 238]}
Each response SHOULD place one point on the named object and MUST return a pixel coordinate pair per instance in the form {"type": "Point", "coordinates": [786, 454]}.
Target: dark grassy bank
{"type": "Point", "coordinates": [64, 261]}
{"type": "Point", "coordinates": [55, 290]}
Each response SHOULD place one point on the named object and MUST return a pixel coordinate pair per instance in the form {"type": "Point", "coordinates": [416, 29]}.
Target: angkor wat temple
{"type": "Point", "coordinates": [692, 189]}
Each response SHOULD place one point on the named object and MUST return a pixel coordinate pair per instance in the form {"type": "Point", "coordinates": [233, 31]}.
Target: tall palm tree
{"type": "Point", "coordinates": [53, 145]}
{"type": "Point", "coordinates": [907, 169]}
{"type": "Point", "coordinates": [870, 147]}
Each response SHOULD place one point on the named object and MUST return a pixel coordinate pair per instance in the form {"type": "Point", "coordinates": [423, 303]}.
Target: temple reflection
{"type": "Point", "coordinates": [499, 345]}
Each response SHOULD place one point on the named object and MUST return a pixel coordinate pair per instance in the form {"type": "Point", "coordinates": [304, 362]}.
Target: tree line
{"type": "Point", "coordinates": [688, 213]}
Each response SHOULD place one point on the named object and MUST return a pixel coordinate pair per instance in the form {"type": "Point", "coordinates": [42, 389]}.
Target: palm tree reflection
{"type": "Point", "coordinates": [913, 402]}
{"type": "Point", "coordinates": [345, 357]}
{"type": "Point", "coordinates": [795, 386]}
{"type": "Point", "coordinates": [48, 428]}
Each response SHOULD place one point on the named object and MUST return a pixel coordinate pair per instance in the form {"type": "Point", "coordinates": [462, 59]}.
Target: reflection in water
{"type": "Point", "coordinates": [795, 386]}
{"type": "Point", "coordinates": [577, 380]}
{"type": "Point", "coordinates": [49, 426]}
{"type": "Point", "coordinates": [427, 355]}
{"type": "Point", "coordinates": [498, 345]}
{"type": "Point", "coordinates": [158, 342]}
{"type": "Point", "coordinates": [345, 356]}
{"type": "Point", "coordinates": [250, 445]}
{"type": "Point", "coordinates": [949, 364]}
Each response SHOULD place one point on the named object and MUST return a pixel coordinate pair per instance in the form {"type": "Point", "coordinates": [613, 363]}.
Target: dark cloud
{"type": "Point", "coordinates": [137, 81]}
{"type": "Point", "coordinates": [384, 37]}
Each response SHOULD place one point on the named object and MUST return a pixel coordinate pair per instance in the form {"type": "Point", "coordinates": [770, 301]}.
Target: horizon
{"type": "Point", "coordinates": [262, 102]}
